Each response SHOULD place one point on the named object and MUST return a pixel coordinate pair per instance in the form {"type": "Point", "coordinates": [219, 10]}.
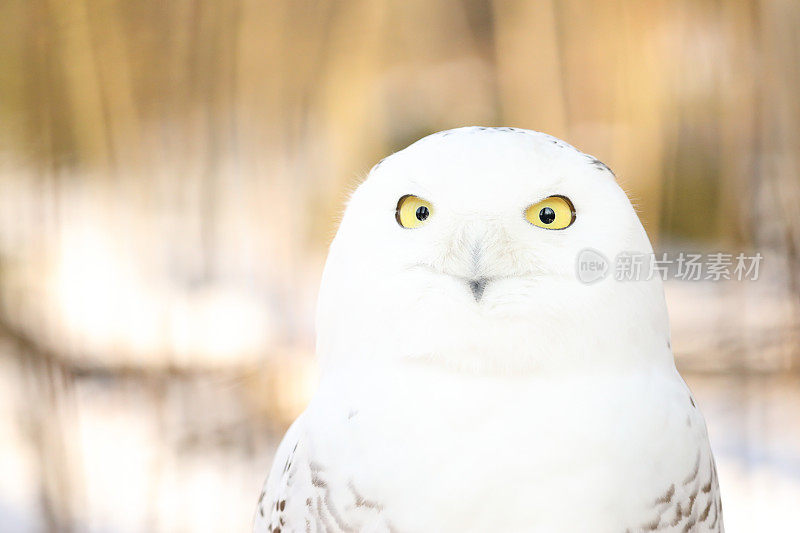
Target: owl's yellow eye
{"type": "Point", "coordinates": [555, 212]}
{"type": "Point", "coordinates": [412, 211]}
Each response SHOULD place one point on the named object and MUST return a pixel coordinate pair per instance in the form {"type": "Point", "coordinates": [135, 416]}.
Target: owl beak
{"type": "Point", "coordinates": [477, 287]}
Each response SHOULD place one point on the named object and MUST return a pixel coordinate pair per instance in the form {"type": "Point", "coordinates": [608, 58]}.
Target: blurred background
{"type": "Point", "coordinates": [171, 174]}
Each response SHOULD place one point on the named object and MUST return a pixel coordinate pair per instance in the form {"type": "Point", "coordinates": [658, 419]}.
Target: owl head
{"type": "Point", "coordinates": [462, 250]}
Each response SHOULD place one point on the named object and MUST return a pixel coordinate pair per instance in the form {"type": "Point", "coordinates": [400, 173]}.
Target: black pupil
{"type": "Point", "coordinates": [546, 215]}
{"type": "Point", "coordinates": [422, 213]}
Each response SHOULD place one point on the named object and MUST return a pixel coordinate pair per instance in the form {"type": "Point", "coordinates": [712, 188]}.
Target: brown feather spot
{"type": "Point", "coordinates": [704, 514]}
{"type": "Point", "coordinates": [716, 515]}
{"type": "Point", "coordinates": [691, 502]}
{"type": "Point", "coordinates": [707, 487]}
{"type": "Point", "coordinates": [652, 525]}
{"type": "Point", "coordinates": [678, 515]}
{"type": "Point", "coordinates": [696, 469]}
{"type": "Point", "coordinates": [667, 497]}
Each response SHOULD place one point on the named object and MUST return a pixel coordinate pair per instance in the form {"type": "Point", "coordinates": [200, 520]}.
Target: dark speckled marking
{"type": "Point", "coordinates": [691, 477]}
{"type": "Point", "coordinates": [704, 514]}
{"type": "Point", "coordinates": [667, 497]}
{"type": "Point", "coordinates": [692, 498]}
{"type": "Point", "coordinates": [707, 487]}
{"type": "Point", "coordinates": [678, 515]}
{"type": "Point", "coordinates": [599, 165]}
{"type": "Point", "coordinates": [652, 525]}
{"type": "Point", "coordinates": [683, 506]}
{"type": "Point", "coordinates": [716, 515]}
{"type": "Point", "coordinates": [321, 511]}
{"type": "Point", "coordinates": [361, 501]}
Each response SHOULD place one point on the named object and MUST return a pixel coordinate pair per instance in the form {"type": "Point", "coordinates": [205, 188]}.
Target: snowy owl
{"type": "Point", "coordinates": [470, 381]}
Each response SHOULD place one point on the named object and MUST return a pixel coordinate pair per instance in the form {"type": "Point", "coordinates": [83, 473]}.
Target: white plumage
{"type": "Point", "coordinates": [540, 404]}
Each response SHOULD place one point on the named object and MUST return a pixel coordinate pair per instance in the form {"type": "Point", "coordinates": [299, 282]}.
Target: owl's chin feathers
{"type": "Point", "coordinates": [524, 326]}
